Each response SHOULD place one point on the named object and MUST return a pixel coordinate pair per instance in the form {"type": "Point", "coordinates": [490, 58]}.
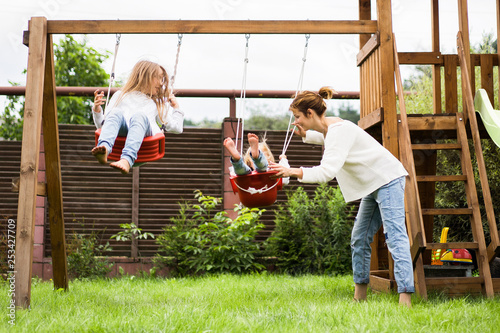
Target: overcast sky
{"type": "Point", "coordinates": [216, 61]}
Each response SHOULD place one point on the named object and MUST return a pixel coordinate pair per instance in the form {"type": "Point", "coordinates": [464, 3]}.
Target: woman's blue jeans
{"type": "Point", "coordinates": [384, 207]}
{"type": "Point", "coordinates": [115, 125]}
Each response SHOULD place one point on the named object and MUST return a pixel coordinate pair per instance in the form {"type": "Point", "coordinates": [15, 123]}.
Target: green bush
{"type": "Point", "coordinates": [200, 241]}
{"type": "Point", "coordinates": [84, 256]}
{"type": "Point", "coordinates": [312, 235]}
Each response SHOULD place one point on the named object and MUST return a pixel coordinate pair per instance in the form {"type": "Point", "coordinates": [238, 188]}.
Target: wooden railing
{"type": "Point", "coordinates": [371, 79]}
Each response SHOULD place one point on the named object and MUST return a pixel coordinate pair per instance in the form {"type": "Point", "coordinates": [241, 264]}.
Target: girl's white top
{"type": "Point", "coordinates": [358, 161]}
{"type": "Point", "coordinates": [134, 101]}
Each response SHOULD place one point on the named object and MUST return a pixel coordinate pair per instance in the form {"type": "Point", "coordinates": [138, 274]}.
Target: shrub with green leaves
{"type": "Point", "coordinates": [201, 241]}
{"type": "Point", "coordinates": [312, 235]}
{"type": "Point", "coordinates": [84, 256]}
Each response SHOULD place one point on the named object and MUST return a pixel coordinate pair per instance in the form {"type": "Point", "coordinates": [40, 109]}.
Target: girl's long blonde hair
{"type": "Point", "coordinates": [141, 80]}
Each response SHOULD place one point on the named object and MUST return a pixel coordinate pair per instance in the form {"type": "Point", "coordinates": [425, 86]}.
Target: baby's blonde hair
{"type": "Point", "coordinates": [264, 148]}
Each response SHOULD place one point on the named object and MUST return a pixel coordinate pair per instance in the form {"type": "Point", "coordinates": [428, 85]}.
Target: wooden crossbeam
{"type": "Point", "coordinates": [211, 27]}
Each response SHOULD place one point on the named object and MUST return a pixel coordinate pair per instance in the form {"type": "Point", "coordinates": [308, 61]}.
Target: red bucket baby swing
{"type": "Point", "coordinates": [259, 189]}
{"type": "Point", "coordinates": [153, 147]}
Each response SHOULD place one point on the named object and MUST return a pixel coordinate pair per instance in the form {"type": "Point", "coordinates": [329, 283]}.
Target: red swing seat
{"type": "Point", "coordinates": [152, 148]}
{"type": "Point", "coordinates": [256, 189]}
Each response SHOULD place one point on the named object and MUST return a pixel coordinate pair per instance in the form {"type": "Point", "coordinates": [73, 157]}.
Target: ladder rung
{"type": "Point", "coordinates": [436, 146]}
{"type": "Point", "coordinates": [446, 211]}
{"type": "Point", "coordinates": [442, 281]}
{"type": "Point", "coordinates": [452, 245]}
{"type": "Point", "coordinates": [444, 178]}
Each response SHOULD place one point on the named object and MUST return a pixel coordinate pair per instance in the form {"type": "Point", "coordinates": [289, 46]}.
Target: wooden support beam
{"type": "Point", "coordinates": [463, 24]}
{"type": "Point", "coordinates": [29, 161]}
{"type": "Point", "coordinates": [135, 209]}
{"type": "Point", "coordinates": [365, 13]}
{"type": "Point", "coordinates": [417, 247]}
{"type": "Point", "coordinates": [432, 123]}
{"type": "Point", "coordinates": [452, 245]}
{"type": "Point", "coordinates": [420, 58]}
{"type": "Point", "coordinates": [389, 127]}
{"type": "Point", "coordinates": [374, 118]}
{"type": "Point", "coordinates": [436, 69]}
{"type": "Point", "coordinates": [487, 76]}
{"type": "Point", "coordinates": [450, 83]}
{"type": "Point", "coordinates": [371, 45]}
{"type": "Point", "coordinates": [53, 173]}
{"type": "Point", "coordinates": [498, 51]}
{"type": "Point", "coordinates": [41, 187]}
{"type": "Point", "coordinates": [211, 27]}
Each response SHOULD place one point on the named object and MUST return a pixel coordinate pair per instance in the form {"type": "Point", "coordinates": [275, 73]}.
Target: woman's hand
{"type": "Point", "coordinates": [299, 130]}
{"type": "Point", "coordinates": [284, 172]}
{"type": "Point", "coordinates": [173, 101]}
{"type": "Point", "coordinates": [98, 101]}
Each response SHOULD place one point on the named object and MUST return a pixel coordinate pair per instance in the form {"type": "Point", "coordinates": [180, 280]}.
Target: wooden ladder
{"type": "Point", "coordinates": [414, 210]}
{"type": "Point", "coordinates": [446, 123]}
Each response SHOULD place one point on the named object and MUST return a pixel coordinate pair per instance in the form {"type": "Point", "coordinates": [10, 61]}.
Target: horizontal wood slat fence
{"type": "Point", "coordinates": [98, 199]}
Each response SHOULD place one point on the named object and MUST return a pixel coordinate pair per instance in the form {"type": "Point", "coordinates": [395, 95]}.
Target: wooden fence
{"type": "Point", "coordinates": [98, 199]}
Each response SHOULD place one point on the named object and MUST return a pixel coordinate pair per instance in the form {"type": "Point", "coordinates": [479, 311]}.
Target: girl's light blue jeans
{"type": "Point", "coordinates": [240, 167]}
{"type": "Point", "coordinates": [384, 207]}
{"type": "Point", "coordinates": [115, 125]}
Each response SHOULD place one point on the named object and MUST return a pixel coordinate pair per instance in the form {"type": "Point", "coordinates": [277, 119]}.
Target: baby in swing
{"type": "Point", "coordinates": [256, 157]}
{"type": "Point", "coordinates": [135, 111]}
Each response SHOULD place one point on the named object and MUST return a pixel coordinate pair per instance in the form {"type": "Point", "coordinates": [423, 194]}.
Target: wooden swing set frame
{"type": "Point", "coordinates": [378, 104]}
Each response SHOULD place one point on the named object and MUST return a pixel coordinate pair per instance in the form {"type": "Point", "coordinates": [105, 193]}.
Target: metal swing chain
{"type": "Point", "coordinates": [172, 78]}
{"type": "Point", "coordinates": [112, 76]}
{"type": "Point", "coordinates": [243, 98]}
{"type": "Point", "coordinates": [299, 88]}
{"type": "Point", "coordinates": [179, 43]}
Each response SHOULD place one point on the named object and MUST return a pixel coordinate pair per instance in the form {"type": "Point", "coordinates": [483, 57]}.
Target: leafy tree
{"type": "Point", "coordinates": [76, 64]}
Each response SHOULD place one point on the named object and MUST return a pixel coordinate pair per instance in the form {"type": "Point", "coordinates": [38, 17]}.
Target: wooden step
{"type": "Point", "coordinates": [432, 122]}
{"type": "Point", "coordinates": [452, 245]}
{"type": "Point", "coordinates": [436, 146]}
{"type": "Point", "coordinates": [443, 178]}
{"type": "Point", "coordinates": [446, 211]}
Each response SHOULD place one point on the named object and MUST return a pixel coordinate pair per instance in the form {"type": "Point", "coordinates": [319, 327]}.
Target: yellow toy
{"type": "Point", "coordinates": [450, 255]}
{"type": "Point", "coordinates": [436, 254]}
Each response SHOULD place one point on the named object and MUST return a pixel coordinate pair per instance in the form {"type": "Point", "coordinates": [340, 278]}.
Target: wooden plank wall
{"type": "Point", "coordinates": [10, 158]}
{"type": "Point", "coordinates": [98, 198]}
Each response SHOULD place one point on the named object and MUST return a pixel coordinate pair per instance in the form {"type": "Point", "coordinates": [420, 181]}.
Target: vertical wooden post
{"type": "Point", "coordinates": [135, 209]}
{"type": "Point", "coordinates": [498, 52]}
{"type": "Point", "coordinates": [53, 172]}
{"type": "Point", "coordinates": [390, 124]}
{"type": "Point", "coordinates": [365, 13]}
{"type": "Point", "coordinates": [229, 129]}
{"type": "Point", "coordinates": [29, 160]}
{"type": "Point", "coordinates": [436, 69]}
{"type": "Point", "coordinates": [389, 127]}
{"type": "Point", "coordinates": [463, 23]}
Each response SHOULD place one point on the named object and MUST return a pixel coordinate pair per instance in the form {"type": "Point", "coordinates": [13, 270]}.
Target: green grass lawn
{"type": "Point", "coordinates": [252, 303]}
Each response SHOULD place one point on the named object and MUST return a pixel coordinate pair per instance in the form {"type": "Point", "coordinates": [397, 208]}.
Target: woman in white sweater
{"type": "Point", "coordinates": [134, 112]}
{"type": "Point", "coordinates": [364, 170]}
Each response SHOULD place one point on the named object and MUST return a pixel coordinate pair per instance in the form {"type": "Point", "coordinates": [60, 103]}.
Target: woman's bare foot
{"type": "Point", "coordinates": [405, 299]}
{"type": "Point", "coordinates": [360, 292]}
{"type": "Point", "coordinates": [121, 165]}
{"type": "Point", "coordinates": [231, 148]}
{"type": "Point", "coordinates": [101, 154]}
{"type": "Point", "coordinates": [253, 140]}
